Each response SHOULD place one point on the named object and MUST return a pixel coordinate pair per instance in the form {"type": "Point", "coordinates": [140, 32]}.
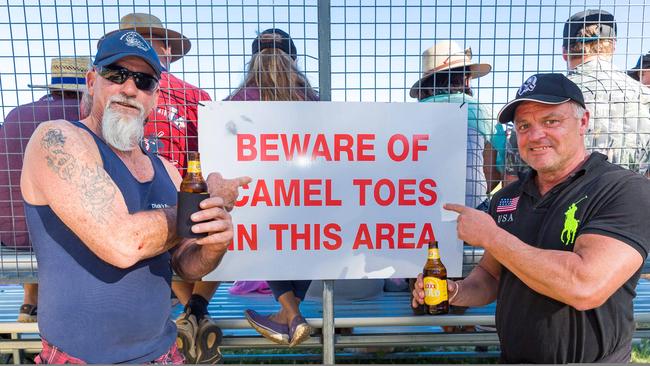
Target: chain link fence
{"type": "Point", "coordinates": [369, 51]}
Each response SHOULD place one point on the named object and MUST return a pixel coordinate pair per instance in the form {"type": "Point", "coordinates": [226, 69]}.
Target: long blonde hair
{"type": "Point", "coordinates": [604, 47]}
{"type": "Point", "coordinates": [277, 77]}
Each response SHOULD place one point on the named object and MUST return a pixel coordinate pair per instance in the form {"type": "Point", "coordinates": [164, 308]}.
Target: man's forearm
{"type": "Point", "coordinates": [155, 230]}
{"type": "Point", "coordinates": [192, 261]}
{"type": "Point", "coordinates": [478, 289]}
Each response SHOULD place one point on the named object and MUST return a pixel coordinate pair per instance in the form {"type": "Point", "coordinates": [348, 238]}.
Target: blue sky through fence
{"type": "Point", "coordinates": [376, 45]}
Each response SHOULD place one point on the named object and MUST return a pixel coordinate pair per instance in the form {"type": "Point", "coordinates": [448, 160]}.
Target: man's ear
{"type": "Point", "coordinates": [156, 94]}
{"type": "Point", "coordinates": [91, 76]}
{"type": "Point", "coordinates": [584, 122]}
{"type": "Point", "coordinates": [565, 55]}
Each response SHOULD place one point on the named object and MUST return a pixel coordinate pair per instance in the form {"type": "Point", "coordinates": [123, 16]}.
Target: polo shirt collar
{"type": "Point", "coordinates": [529, 186]}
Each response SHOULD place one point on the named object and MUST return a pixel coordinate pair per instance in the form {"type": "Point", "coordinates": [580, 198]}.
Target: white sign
{"type": "Point", "coordinates": [339, 190]}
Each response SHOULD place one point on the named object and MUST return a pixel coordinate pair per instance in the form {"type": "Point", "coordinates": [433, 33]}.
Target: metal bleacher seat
{"type": "Point", "coordinates": [384, 321]}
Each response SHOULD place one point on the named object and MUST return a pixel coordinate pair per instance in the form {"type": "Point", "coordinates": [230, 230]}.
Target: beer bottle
{"type": "Point", "coordinates": [435, 283]}
{"type": "Point", "coordinates": [193, 190]}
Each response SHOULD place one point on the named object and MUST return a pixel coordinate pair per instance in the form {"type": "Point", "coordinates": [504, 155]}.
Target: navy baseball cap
{"type": "Point", "coordinates": [285, 43]}
{"type": "Point", "coordinates": [642, 64]}
{"type": "Point", "coordinates": [543, 88]}
{"type": "Point", "coordinates": [578, 21]}
{"type": "Point", "coordinates": [119, 44]}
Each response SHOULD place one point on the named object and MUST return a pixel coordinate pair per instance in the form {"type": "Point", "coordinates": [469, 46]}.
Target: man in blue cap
{"type": "Point", "coordinates": [564, 245]}
{"type": "Point", "coordinates": [104, 245]}
{"type": "Point", "coordinates": [641, 72]}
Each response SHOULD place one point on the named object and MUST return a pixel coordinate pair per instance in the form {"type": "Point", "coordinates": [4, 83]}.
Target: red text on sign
{"type": "Point", "coordinates": [307, 236]}
{"type": "Point", "coordinates": [291, 192]}
{"type": "Point", "coordinates": [407, 192]}
{"type": "Point", "coordinates": [400, 143]}
{"type": "Point", "coordinates": [244, 237]}
{"type": "Point", "coordinates": [287, 147]}
{"type": "Point", "coordinates": [393, 236]}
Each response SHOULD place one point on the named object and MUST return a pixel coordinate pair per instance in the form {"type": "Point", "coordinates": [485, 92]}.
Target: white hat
{"type": "Point", "coordinates": [447, 55]}
{"type": "Point", "coordinates": [150, 26]}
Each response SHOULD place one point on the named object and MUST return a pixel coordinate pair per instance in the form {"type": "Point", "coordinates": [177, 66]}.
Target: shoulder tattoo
{"type": "Point", "coordinates": [62, 163]}
{"type": "Point", "coordinates": [96, 188]}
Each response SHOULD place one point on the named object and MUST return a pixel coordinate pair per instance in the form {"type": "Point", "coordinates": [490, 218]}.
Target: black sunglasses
{"type": "Point", "coordinates": [119, 75]}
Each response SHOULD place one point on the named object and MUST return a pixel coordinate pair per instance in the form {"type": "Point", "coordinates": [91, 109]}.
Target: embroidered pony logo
{"type": "Point", "coordinates": [570, 223]}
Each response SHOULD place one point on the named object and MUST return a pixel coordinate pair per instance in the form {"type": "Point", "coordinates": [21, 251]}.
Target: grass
{"type": "Point", "coordinates": [393, 355]}
{"type": "Point", "coordinates": [641, 352]}
{"type": "Point", "coordinates": [399, 355]}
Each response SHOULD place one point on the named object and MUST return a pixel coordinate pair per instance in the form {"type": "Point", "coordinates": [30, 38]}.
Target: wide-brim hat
{"type": "Point", "coordinates": [448, 55]}
{"type": "Point", "coordinates": [67, 74]}
{"type": "Point", "coordinates": [150, 26]}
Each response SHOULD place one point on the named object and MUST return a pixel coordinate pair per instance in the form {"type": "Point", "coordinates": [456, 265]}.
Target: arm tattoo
{"type": "Point", "coordinates": [97, 191]}
{"type": "Point", "coordinates": [95, 186]}
{"type": "Point", "coordinates": [62, 163]}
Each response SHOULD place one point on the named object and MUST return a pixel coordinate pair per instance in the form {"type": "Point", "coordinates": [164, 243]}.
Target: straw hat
{"type": "Point", "coordinates": [447, 55]}
{"type": "Point", "coordinates": [149, 26]}
{"type": "Point", "coordinates": [67, 74]}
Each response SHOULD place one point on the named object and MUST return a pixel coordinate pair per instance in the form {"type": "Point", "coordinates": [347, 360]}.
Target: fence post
{"type": "Point", "coordinates": [328, 322]}
{"type": "Point", "coordinates": [324, 51]}
{"type": "Point", "coordinates": [325, 92]}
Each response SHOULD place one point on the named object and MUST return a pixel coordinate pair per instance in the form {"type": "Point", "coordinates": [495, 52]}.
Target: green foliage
{"type": "Point", "coordinates": [641, 352]}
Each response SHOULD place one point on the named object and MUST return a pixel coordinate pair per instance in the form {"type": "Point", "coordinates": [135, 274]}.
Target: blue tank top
{"type": "Point", "coordinates": [93, 310]}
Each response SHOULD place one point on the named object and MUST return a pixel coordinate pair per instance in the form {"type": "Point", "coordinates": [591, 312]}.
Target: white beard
{"type": "Point", "coordinates": [122, 131]}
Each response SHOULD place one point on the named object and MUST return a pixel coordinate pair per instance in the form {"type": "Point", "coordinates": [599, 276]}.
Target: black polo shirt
{"type": "Point", "coordinates": [600, 198]}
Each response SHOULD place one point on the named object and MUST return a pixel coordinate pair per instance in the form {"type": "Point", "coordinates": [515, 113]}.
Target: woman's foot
{"type": "Point", "coordinates": [264, 325]}
{"type": "Point", "coordinates": [299, 331]}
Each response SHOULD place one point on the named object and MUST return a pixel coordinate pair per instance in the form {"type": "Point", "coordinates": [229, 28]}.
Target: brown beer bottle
{"type": "Point", "coordinates": [436, 300]}
{"type": "Point", "coordinates": [193, 190]}
{"type": "Point", "coordinates": [193, 181]}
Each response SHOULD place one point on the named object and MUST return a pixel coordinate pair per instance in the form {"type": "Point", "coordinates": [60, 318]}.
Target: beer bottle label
{"type": "Point", "coordinates": [435, 291]}
{"type": "Point", "coordinates": [194, 166]}
{"type": "Point", "coordinates": [434, 253]}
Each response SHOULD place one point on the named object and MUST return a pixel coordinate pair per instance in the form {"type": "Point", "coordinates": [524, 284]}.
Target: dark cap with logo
{"type": "Point", "coordinates": [642, 64]}
{"type": "Point", "coordinates": [543, 88]}
{"type": "Point", "coordinates": [578, 21]}
{"type": "Point", "coordinates": [119, 44]}
{"type": "Point", "coordinates": [285, 43]}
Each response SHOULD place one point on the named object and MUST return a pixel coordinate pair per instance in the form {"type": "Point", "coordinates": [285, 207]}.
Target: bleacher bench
{"type": "Point", "coordinates": [385, 321]}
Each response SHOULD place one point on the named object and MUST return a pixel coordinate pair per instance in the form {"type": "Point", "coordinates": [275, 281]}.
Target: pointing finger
{"type": "Point", "coordinates": [454, 207]}
{"type": "Point", "coordinates": [242, 181]}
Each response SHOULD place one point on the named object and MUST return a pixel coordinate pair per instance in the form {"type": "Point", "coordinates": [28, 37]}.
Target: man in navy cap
{"type": "Point", "coordinates": [619, 105]}
{"type": "Point", "coordinates": [641, 72]}
{"type": "Point", "coordinates": [171, 131]}
{"type": "Point", "coordinates": [564, 245]}
{"type": "Point", "coordinates": [101, 216]}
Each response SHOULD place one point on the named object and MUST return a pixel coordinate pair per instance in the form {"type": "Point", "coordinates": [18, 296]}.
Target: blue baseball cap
{"type": "Point", "coordinates": [119, 44]}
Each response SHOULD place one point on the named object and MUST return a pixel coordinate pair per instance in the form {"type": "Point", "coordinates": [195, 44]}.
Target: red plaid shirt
{"type": "Point", "coordinates": [171, 130]}
{"type": "Point", "coordinates": [53, 355]}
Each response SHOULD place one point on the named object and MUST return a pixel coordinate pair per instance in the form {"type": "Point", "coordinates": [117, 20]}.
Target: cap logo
{"type": "Point", "coordinates": [133, 39]}
{"type": "Point", "coordinates": [528, 86]}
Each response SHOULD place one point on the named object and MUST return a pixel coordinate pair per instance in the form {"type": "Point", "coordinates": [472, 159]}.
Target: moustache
{"type": "Point", "coordinates": [120, 99]}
